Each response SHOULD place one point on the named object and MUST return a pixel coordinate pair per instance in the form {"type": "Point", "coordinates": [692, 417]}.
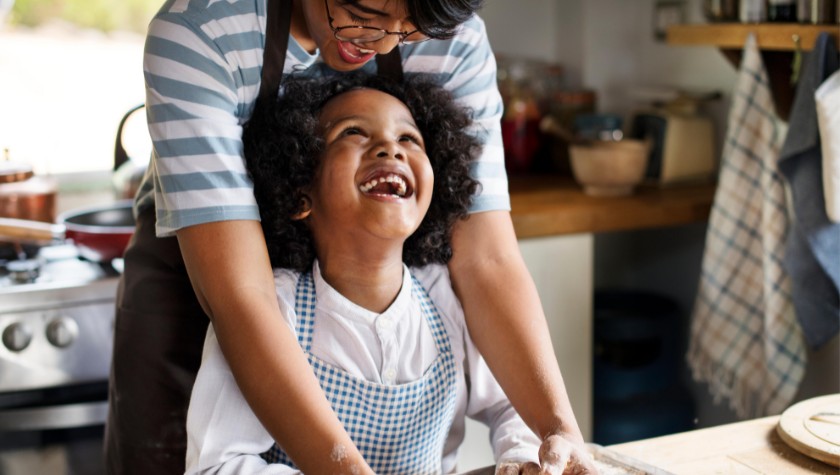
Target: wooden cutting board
{"type": "Point", "coordinates": [812, 427]}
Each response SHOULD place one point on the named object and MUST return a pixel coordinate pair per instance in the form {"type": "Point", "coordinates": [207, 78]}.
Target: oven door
{"type": "Point", "coordinates": [53, 431]}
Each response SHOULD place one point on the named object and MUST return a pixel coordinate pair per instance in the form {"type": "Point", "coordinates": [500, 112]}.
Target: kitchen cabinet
{"type": "Point", "coordinates": [777, 41]}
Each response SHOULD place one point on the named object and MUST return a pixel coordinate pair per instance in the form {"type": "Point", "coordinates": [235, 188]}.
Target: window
{"type": "Point", "coordinates": [69, 71]}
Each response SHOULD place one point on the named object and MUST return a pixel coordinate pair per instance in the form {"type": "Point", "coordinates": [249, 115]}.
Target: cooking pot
{"type": "Point", "coordinates": [100, 234]}
{"type": "Point", "coordinates": [129, 168]}
{"type": "Point", "coordinates": [24, 195]}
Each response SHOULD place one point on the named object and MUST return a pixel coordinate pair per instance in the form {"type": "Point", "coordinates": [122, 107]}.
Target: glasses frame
{"type": "Point", "coordinates": [374, 30]}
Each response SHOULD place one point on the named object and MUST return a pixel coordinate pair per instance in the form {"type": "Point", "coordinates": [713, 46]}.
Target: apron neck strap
{"type": "Point", "coordinates": [390, 65]}
{"type": "Point", "coordinates": [278, 20]}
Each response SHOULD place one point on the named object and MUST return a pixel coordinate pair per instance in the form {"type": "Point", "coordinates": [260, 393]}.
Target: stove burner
{"type": "Point", "coordinates": [50, 265]}
{"type": "Point", "coordinates": [24, 271]}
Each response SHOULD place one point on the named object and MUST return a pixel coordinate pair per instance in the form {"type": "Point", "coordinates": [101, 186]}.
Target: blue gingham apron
{"type": "Point", "coordinates": [399, 429]}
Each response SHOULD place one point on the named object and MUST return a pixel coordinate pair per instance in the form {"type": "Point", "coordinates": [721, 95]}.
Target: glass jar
{"type": "Point", "coordinates": [720, 10]}
{"type": "Point", "coordinates": [781, 11]}
{"type": "Point", "coordinates": [753, 11]}
{"type": "Point", "coordinates": [817, 12]}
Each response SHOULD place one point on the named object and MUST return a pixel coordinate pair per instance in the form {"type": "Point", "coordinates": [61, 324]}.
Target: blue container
{"type": "Point", "coordinates": [636, 341]}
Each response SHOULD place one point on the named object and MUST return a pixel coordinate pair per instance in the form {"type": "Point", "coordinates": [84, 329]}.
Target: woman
{"type": "Point", "coordinates": [203, 65]}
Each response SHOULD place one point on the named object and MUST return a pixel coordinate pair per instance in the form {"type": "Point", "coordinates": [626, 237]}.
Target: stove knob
{"type": "Point", "coordinates": [62, 331]}
{"type": "Point", "coordinates": [17, 336]}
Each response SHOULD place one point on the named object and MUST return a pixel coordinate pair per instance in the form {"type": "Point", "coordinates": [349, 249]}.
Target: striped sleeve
{"type": "Point", "coordinates": [202, 71]}
{"type": "Point", "coordinates": [466, 66]}
{"type": "Point", "coordinates": [202, 65]}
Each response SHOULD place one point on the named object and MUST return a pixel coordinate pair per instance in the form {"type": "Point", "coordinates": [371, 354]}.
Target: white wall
{"type": "Point", "coordinates": [621, 52]}
{"type": "Point", "coordinates": [549, 30]}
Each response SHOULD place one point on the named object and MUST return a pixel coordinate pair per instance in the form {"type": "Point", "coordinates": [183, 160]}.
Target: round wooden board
{"type": "Point", "coordinates": [812, 427]}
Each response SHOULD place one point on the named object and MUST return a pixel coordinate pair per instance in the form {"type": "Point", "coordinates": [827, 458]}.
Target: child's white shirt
{"type": "Point", "coordinates": [225, 437]}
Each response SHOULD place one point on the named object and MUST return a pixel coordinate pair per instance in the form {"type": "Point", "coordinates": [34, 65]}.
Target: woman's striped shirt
{"type": "Point", "coordinates": [202, 66]}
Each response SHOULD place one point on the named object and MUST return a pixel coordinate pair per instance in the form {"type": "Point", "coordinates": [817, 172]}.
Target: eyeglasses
{"type": "Point", "coordinates": [361, 35]}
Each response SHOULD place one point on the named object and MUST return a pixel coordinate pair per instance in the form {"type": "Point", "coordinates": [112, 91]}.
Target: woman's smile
{"type": "Point", "coordinates": [353, 54]}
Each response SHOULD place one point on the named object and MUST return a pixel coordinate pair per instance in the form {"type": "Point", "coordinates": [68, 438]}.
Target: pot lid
{"type": "Point", "coordinates": [11, 172]}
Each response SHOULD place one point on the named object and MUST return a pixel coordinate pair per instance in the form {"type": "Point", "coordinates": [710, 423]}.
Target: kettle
{"type": "Point", "coordinates": [128, 170]}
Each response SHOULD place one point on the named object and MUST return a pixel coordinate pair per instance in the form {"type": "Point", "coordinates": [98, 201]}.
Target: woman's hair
{"type": "Point", "coordinates": [283, 146]}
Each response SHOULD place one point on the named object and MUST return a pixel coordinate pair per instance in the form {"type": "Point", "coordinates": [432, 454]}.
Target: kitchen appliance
{"type": "Point", "coordinates": [683, 145]}
{"type": "Point", "coordinates": [56, 324]}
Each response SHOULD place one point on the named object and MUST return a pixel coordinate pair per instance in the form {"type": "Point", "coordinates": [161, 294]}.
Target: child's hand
{"type": "Point", "coordinates": [558, 456]}
{"type": "Point", "coordinates": [566, 456]}
{"type": "Point", "coordinates": [517, 468]}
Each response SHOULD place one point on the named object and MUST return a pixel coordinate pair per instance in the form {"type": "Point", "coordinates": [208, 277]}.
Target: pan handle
{"type": "Point", "coordinates": [23, 229]}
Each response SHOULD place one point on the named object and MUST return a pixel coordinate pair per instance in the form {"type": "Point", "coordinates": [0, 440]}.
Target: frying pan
{"type": "Point", "coordinates": [99, 233]}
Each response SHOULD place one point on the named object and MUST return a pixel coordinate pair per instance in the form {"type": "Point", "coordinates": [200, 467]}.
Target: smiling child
{"type": "Point", "coordinates": [378, 174]}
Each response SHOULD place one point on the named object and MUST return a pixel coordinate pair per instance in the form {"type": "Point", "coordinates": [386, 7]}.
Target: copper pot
{"type": "Point", "coordinates": [24, 195]}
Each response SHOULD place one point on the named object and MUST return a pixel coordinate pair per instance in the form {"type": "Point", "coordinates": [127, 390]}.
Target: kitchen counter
{"type": "Point", "coordinates": [750, 447]}
{"type": "Point", "coordinates": [555, 205]}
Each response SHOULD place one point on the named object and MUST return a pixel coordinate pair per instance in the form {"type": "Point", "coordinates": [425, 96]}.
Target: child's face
{"type": "Point", "coordinates": [374, 177]}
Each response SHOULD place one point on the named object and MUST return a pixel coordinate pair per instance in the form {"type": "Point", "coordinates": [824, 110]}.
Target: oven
{"type": "Point", "coordinates": [56, 332]}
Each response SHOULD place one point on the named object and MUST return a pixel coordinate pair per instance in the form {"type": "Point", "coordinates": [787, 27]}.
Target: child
{"type": "Point", "coordinates": [359, 182]}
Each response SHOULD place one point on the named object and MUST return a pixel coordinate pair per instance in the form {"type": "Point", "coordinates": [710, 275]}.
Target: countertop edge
{"type": "Point", "coordinates": [547, 206]}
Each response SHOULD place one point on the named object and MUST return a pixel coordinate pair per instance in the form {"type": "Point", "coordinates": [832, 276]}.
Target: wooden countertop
{"type": "Point", "coordinates": [743, 448]}
{"type": "Point", "coordinates": [552, 205]}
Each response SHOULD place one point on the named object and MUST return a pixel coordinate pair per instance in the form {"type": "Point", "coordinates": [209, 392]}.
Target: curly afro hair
{"type": "Point", "coordinates": [282, 148]}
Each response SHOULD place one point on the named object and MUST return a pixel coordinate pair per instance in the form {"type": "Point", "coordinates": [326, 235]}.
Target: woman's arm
{"type": "Point", "coordinates": [230, 272]}
{"type": "Point", "coordinates": [507, 323]}
{"type": "Point", "coordinates": [224, 436]}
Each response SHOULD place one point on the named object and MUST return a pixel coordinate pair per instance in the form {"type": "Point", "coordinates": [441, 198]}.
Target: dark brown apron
{"type": "Point", "coordinates": [160, 326]}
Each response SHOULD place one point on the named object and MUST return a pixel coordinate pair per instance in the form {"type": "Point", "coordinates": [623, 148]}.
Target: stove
{"type": "Point", "coordinates": [56, 332]}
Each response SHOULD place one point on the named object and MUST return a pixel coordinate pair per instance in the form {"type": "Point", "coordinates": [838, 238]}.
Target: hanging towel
{"type": "Point", "coordinates": [812, 257]}
{"type": "Point", "coordinates": [828, 113]}
{"type": "Point", "coordinates": [745, 340]}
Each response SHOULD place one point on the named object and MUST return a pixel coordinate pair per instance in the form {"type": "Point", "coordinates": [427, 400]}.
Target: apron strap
{"type": "Point", "coordinates": [278, 20]}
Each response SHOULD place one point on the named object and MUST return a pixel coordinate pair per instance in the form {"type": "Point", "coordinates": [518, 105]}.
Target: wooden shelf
{"type": "Point", "coordinates": [776, 41]}
{"type": "Point", "coordinates": [553, 205]}
{"type": "Point", "coordinates": [770, 36]}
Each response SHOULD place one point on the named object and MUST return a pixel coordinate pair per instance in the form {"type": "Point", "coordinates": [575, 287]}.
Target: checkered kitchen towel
{"type": "Point", "coordinates": [745, 340]}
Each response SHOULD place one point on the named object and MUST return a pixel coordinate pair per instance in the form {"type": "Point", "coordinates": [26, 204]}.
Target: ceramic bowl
{"type": "Point", "coordinates": [609, 168]}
